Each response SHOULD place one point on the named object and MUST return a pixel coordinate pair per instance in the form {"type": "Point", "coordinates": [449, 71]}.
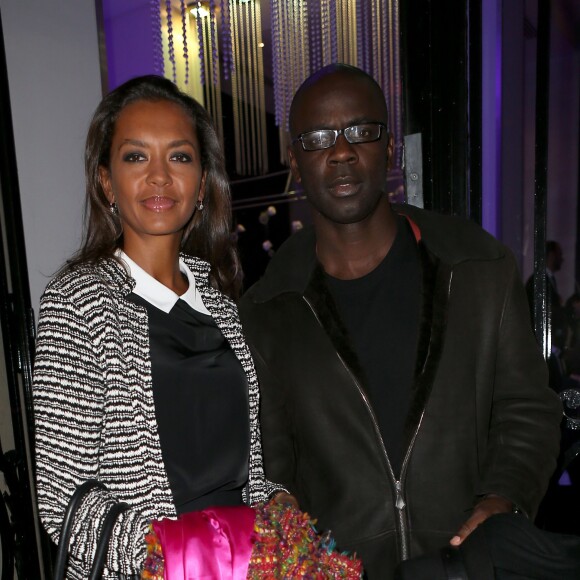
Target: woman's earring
{"type": "Point", "coordinates": [199, 204]}
{"type": "Point", "coordinates": [113, 208]}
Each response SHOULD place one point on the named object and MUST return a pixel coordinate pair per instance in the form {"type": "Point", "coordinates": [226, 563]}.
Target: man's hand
{"type": "Point", "coordinates": [488, 506]}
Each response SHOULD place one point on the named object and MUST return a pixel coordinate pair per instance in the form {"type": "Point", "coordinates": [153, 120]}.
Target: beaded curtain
{"type": "Point", "coordinates": [309, 34]}
{"type": "Point", "coordinates": [305, 35]}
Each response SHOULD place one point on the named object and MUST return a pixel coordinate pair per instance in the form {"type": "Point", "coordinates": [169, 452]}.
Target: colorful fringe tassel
{"type": "Point", "coordinates": [288, 546]}
{"type": "Point", "coordinates": [154, 566]}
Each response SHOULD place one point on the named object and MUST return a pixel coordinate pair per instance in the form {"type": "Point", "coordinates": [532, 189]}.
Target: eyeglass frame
{"type": "Point", "coordinates": [338, 132]}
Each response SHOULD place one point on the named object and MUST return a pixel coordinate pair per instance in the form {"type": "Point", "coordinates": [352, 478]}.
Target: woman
{"type": "Point", "coordinates": [142, 376]}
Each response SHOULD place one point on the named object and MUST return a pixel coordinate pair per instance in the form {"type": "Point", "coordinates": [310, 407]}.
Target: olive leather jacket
{"type": "Point", "coordinates": [482, 418]}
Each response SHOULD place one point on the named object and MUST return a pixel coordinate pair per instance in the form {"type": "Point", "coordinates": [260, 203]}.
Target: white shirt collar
{"type": "Point", "coordinates": [159, 295]}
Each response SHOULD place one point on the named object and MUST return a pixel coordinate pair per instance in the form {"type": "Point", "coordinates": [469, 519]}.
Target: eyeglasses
{"type": "Point", "coordinates": [325, 138]}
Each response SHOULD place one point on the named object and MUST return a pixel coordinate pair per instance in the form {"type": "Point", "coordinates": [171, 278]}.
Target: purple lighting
{"type": "Point", "coordinates": [129, 40]}
{"type": "Point", "coordinates": [491, 116]}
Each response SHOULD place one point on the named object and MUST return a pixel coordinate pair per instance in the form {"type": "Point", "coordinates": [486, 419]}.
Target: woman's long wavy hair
{"type": "Point", "coordinates": [208, 236]}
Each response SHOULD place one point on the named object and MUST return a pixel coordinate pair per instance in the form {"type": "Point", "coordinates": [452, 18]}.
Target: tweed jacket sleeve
{"type": "Point", "coordinates": [69, 401]}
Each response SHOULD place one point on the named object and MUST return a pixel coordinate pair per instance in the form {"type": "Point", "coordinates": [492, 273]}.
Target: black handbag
{"type": "Point", "coordinates": [66, 530]}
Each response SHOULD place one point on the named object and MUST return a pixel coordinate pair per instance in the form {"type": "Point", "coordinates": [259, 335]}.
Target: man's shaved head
{"type": "Point", "coordinates": [324, 75]}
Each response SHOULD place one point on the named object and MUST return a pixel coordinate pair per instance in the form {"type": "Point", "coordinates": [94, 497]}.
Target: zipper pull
{"type": "Point", "coordinates": [400, 502]}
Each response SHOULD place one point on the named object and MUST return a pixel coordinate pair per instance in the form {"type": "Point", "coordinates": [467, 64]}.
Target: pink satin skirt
{"type": "Point", "coordinates": [213, 544]}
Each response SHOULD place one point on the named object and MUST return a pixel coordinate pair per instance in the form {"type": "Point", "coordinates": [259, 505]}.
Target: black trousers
{"type": "Point", "coordinates": [504, 547]}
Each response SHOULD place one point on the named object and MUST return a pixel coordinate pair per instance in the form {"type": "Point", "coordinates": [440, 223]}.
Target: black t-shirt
{"type": "Point", "coordinates": [381, 313]}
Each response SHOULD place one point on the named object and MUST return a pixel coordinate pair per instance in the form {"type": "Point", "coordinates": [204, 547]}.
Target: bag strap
{"type": "Point", "coordinates": [101, 553]}
{"type": "Point", "coordinates": [66, 528]}
{"type": "Point", "coordinates": [104, 537]}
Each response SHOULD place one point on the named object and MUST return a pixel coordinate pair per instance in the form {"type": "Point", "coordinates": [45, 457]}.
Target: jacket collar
{"type": "Point", "coordinates": [115, 275]}
{"type": "Point", "coordinates": [450, 239]}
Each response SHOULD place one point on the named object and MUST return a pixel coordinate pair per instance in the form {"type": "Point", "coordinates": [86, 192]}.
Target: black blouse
{"type": "Point", "coordinates": [201, 404]}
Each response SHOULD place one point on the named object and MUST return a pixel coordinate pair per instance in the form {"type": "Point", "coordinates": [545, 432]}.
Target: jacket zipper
{"type": "Point", "coordinates": [400, 498]}
{"type": "Point", "coordinates": [397, 483]}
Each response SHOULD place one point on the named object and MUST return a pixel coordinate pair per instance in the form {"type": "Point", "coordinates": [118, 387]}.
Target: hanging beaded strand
{"type": "Point", "coordinates": [397, 113]}
{"type": "Point", "coordinates": [257, 160]}
{"type": "Point", "coordinates": [349, 30]}
{"type": "Point", "coordinates": [213, 43]}
{"type": "Point", "coordinates": [244, 86]}
{"type": "Point", "coordinates": [217, 89]}
{"type": "Point", "coordinates": [290, 81]}
{"type": "Point", "coordinates": [209, 72]}
{"type": "Point", "coordinates": [184, 17]}
{"type": "Point", "coordinates": [366, 34]}
{"type": "Point", "coordinates": [155, 7]}
{"type": "Point", "coordinates": [235, 84]}
{"type": "Point", "coordinates": [386, 48]}
{"type": "Point", "coordinates": [239, 90]}
{"type": "Point", "coordinates": [203, 24]}
{"type": "Point", "coordinates": [388, 56]}
{"type": "Point", "coordinates": [294, 45]}
{"type": "Point", "coordinates": [226, 39]}
{"type": "Point", "coordinates": [341, 39]}
{"type": "Point", "coordinates": [305, 40]}
{"type": "Point", "coordinates": [261, 95]}
{"type": "Point", "coordinates": [359, 34]}
{"type": "Point", "coordinates": [211, 63]}
{"type": "Point", "coordinates": [201, 44]}
{"type": "Point", "coordinates": [353, 31]}
{"type": "Point", "coordinates": [170, 38]}
{"type": "Point", "coordinates": [291, 53]}
{"type": "Point", "coordinates": [315, 44]}
{"type": "Point", "coordinates": [279, 55]}
{"type": "Point", "coordinates": [250, 80]}
{"type": "Point", "coordinates": [376, 41]}
{"type": "Point", "coordinates": [286, 35]}
{"type": "Point", "coordinates": [275, 28]}
{"type": "Point", "coordinates": [324, 31]}
{"type": "Point", "coordinates": [333, 32]}
{"type": "Point", "coordinates": [298, 45]}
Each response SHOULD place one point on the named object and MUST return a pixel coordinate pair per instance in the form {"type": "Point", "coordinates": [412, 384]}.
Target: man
{"type": "Point", "coordinates": [404, 397]}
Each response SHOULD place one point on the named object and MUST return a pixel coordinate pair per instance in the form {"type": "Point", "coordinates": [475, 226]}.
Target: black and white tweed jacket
{"type": "Point", "coordinates": [95, 415]}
